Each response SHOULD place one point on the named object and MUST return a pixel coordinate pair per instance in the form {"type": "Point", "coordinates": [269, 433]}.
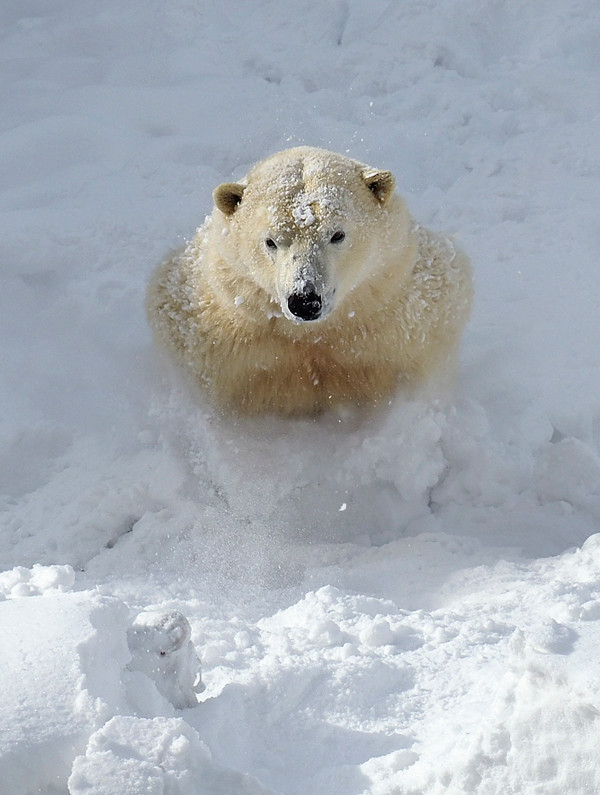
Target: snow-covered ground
{"type": "Point", "coordinates": [408, 603]}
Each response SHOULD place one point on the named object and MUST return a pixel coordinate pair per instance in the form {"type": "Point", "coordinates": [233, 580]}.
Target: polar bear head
{"type": "Point", "coordinates": [309, 226]}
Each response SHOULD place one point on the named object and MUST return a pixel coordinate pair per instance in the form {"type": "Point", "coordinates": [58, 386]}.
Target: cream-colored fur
{"type": "Point", "coordinates": [393, 297]}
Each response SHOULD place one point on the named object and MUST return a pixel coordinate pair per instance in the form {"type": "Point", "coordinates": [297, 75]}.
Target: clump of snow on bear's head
{"type": "Point", "coordinates": [303, 213]}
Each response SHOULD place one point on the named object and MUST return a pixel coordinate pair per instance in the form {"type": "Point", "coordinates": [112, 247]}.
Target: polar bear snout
{"type": "Point", "coordinates": [306, 304]}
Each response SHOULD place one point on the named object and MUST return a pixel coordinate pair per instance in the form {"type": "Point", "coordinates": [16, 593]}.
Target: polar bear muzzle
{"type": "Point", "coordinates": [306, 304]}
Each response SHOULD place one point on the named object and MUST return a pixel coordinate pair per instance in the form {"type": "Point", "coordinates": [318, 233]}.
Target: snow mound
{"type": "Point", "coordinates": [140, 756]}
{"type": "Point", "coordinates": [21, 581]}
{"type": "Point", "coordinates": [62, 660]}
{"type": "Point", "coordinates": [537, 714]}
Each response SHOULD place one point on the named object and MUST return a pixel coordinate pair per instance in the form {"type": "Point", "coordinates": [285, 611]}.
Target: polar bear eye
{"type": "Point", "coordinates": [270, 243]}
{"type": "Point", "coordinates": [337, 237]}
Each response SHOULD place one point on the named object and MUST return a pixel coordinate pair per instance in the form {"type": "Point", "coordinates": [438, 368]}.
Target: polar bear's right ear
{"type": "Point", "coordinates": [380, 183]}
{"type": "Point", "coordinates": [227, 197]}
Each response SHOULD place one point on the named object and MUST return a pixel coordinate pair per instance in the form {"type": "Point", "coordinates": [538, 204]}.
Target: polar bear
{"type": "Point", "coordinates": [308, 287]}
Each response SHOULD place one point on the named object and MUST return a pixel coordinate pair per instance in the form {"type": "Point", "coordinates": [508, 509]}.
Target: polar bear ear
{"type": "Point", "coordinates": [380, 183]}
{"type": "Point", "coordinates": [227, 197]}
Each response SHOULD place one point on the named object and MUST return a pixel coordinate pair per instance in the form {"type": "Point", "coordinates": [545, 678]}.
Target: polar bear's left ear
{"type": "Point", "coordinates": [227, 197]}
{"type": "Point", "coordinates": [380, 183]}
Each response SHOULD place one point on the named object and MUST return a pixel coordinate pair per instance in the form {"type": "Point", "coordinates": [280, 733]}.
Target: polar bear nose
{"type": "Point", "coordinates": [307, 304]}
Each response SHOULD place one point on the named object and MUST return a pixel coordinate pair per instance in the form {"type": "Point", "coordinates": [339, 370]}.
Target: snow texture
{"type": "Point", "coordinates": [400, 604]}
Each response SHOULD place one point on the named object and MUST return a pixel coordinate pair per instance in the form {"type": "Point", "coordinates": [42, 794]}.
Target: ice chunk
{"type": "Point", "coordinates": [161, 647]}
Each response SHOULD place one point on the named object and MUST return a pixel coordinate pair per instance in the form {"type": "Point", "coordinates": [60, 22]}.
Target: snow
{"type": "Point", "coordinates": [406, 603]}
{"type": "Point", "coordinates": [303, 214]}
{"type": "Point", "coordinates": [161, 648]}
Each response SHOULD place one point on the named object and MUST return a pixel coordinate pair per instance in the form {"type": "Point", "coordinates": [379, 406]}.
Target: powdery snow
{"type": "Point", "coordinates": [404, 604]}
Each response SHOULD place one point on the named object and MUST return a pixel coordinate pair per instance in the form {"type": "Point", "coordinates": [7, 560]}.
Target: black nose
{"type": "Point", "coordinates": [305, 305]}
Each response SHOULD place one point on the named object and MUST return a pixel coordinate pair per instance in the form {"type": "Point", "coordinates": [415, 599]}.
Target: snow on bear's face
{"type": "Point", "coordinates": [308, 226]}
